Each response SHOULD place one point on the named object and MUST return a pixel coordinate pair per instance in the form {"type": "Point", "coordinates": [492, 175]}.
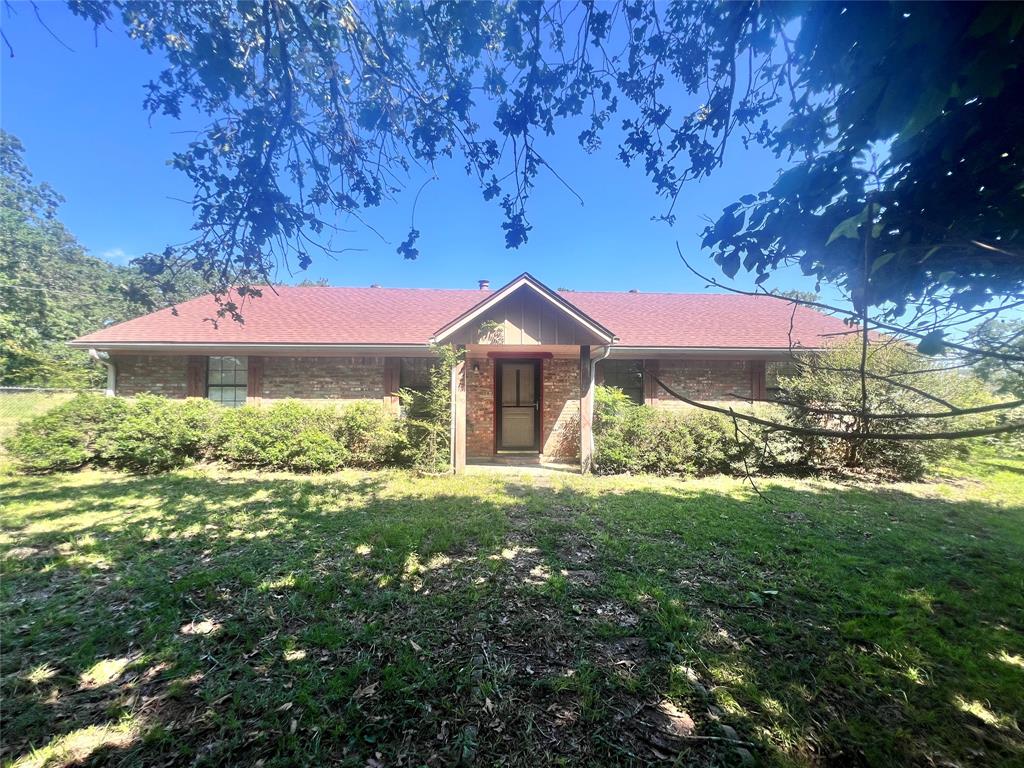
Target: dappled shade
{"type": "Point", "coordinates": [225, 618]}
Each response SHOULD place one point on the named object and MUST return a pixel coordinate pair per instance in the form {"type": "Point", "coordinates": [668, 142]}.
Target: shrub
{"type": "Point", "coordinates": [714, 442]}
{"type": "Point", "coordinates": [829, 382]}
{"type": "Point", "coordinates": [372, 436]}
{"type": "Point", "coordinates": [635, 438]}
{"type": "Point", "coordinates": [287, 435]}
{"type": "Point", "coordinates": [428, 414]}
{"type": "Point", "coordinates": [157, 434]}
{"type": "Point", "coordinates": [69, 436]}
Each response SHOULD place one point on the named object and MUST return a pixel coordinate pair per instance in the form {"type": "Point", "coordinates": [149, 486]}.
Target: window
{"type": "Point", "coordinates": [227, 380]}
{"type": "Point", "coordinates": [627, 375]}
{"type": "Point", "coordinates": [414, 373]}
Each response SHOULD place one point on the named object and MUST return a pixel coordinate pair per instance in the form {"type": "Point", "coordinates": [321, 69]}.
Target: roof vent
{"type": "Point", "coordinates": [485, 285]}
{"type": "Point", "coordinates": [633, 290]}
{"type": "Point", "coordinates": [375, 285]}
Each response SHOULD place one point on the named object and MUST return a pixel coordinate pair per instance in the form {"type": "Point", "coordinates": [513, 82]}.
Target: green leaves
{"type": "Point", "coordinates": [848, 227]}
{"type": "Point", "coordinates": [932, 343]}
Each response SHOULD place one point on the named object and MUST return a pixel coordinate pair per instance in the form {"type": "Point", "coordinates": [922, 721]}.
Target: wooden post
{"type": "Point", "coordinates": [459, 418]}
{"type": "Point", "coordinates": [586, 411]}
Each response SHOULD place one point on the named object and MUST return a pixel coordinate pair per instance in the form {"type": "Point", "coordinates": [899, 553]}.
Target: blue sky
{"type": "Point", "coordinates": [79, 114]}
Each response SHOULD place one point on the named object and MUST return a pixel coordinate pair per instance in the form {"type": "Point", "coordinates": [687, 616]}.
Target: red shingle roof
{"type": "Point", "coordinates": [325, 315]}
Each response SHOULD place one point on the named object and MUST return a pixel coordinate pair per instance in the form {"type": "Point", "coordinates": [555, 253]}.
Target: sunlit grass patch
{"type": "Point", "coordinates": [76, 747]}
{"type": "Point", "coordinates": [385, 617]}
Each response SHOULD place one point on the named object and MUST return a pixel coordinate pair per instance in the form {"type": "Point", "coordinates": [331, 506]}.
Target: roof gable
{"type": "Point", "coordinates": [525, 282]}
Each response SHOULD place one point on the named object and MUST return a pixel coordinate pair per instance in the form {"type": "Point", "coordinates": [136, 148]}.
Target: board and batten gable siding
{"type": "Point", "coordinates": [523, 318]}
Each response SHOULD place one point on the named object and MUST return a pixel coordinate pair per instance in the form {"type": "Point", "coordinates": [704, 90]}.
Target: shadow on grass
{"type": "Point", "coordinates": [228, 619]}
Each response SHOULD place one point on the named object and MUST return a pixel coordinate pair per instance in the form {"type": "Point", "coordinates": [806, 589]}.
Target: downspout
{"type": "Point", "coordinates": [451, 419]}
{"type": "Point", "coordinates": [590, 406]}
{"type": "Point", "coordinates": [103, 358]}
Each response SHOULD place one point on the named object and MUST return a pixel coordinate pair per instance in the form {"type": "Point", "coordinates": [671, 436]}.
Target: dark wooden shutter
{"type": "Point", "coordinates": [651, 370]}
{"type": "Point", "coordinates": [255, 379]}
{"type": "Point", "coordinates": [195, 377]}
{"type": "Point", "coordinates": [758, 387]}
{"type": "Point", "coordinates": [392, 382]}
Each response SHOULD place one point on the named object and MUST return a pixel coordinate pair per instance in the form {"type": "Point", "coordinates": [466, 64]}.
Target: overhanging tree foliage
{"type": "Point", "coordinates": [900, 124]}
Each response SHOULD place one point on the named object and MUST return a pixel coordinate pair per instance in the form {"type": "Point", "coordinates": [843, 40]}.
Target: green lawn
{"type": "Point", "coordinates": [210, 617]}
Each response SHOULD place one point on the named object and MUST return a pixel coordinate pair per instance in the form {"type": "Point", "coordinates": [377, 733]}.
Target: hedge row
{"type": "Point", "coordinates": [153, 434]}
{"type": "Point", "coordinates": [641, 440]}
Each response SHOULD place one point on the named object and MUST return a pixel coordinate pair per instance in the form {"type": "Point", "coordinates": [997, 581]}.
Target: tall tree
{"type": "Point", "coordinates": [51, 290]}
{"type": "Point", "coordinates": [900, 122]}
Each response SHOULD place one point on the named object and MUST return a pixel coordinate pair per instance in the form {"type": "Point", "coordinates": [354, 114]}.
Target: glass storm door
{"type": "Point", "coordinates": [519, 401]}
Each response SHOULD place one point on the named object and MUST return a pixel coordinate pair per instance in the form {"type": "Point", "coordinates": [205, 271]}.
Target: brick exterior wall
{"type": "Point", "coordinates": [561, 413]}
{"type": "Point", "coordinates": [323, 378]}
{"type": "Point", "coordinates": [705, 380]}
{"type": "Point", "coordinates": [302, 378]}
{"type": "Point", "coordinates": [160, 374]}
{"type": "Point", "coordinates": [480, 408]}
{"type": "Point", "coordinates": [560, 419]}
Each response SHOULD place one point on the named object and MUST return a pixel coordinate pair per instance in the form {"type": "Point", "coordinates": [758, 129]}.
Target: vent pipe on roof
{"type": "Point", "coordinates": [485, 285]}
{"type": "Point", "coordinates": [375, 285]}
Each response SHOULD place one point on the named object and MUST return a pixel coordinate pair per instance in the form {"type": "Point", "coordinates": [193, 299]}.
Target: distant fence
{"type": "Point", "coordinates": [20, 403]}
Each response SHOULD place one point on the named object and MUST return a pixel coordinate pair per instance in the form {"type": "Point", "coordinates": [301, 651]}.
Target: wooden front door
{"type": "Point", "coordinates": [518, 396]}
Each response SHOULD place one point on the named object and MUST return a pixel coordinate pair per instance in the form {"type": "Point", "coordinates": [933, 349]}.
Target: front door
{"type": "Point", "coordinates": [519, 405]}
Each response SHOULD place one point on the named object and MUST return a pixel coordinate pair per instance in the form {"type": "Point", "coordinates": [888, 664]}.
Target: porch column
{"type": "Point", "coordinates": [586, 411]}
{"type": "Point", "coordinates": [459, 418]}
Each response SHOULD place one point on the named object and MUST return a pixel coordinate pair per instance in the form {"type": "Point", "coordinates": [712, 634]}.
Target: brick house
{"type": "Point", "coordinates": [532, 354]}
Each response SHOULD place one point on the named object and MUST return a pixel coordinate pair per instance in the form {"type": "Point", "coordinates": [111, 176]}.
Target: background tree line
{"type": "Point", "coordinates": [52, 290]}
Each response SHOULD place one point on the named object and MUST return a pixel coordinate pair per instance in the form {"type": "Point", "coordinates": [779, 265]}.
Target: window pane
{"type": "Point", "coordinates": [414, 373]}
{"type": "Point", "coordinates": [227, 379]}
{"type": "Point", "coordinates": [626, 375]}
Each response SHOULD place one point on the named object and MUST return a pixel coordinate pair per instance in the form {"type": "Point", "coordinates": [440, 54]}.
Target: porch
{"type": "Point", "coordinates": [523, 392]}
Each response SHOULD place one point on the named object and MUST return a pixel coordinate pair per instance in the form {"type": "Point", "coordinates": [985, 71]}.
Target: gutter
{"type": "Point", "coordinates": [104, 359]}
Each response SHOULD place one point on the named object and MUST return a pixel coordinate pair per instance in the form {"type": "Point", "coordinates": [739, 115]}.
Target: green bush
{"type": "Point", "coordinates": [715, 449]}
{"type": "Point", "coordinates": [638, 439]}
{"type": "Point", "coordinates": [156, 434]}
{"type": "Point", "coordinates": [287, 435]}
{"type": "Point", "coordinates": [830, 382]}
{"type": "Point", "coordinates": [69, 436]}
{"type": "Point", "coordinates": [635, 438]}
{"type": "Point", "coordinates": [372, 436]}
{"type": "Point", "coordinates": [153, 434]}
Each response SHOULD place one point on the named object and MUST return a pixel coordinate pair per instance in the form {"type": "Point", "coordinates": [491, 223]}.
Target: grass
{"type": "Point", "coordinates": [209, 617]}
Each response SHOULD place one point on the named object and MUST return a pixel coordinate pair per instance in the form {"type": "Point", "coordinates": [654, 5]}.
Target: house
{"type": "Point", "coordinates": [532, 354]}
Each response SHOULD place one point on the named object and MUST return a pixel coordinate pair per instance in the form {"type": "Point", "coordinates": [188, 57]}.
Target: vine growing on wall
{"type": "Point", "coordinates": [428, 412]}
